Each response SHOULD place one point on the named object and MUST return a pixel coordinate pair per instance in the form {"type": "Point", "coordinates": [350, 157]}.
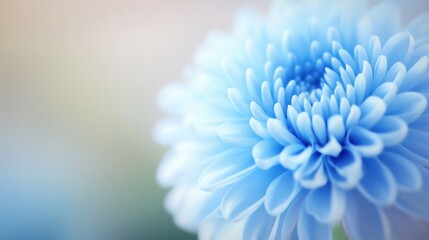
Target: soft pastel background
{"type": "Point", "coordinates": [78, 86]}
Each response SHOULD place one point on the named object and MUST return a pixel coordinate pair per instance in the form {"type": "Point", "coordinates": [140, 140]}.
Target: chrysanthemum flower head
{"type": "Point", "coordinates": [314, 117]}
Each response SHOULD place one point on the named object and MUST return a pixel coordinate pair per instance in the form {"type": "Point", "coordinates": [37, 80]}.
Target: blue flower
{"type": "Point", "coordinates": [311, 118]}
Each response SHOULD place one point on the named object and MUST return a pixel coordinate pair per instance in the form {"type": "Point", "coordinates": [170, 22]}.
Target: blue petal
{"type": "Point", "coordinates": [407, 175]}
{"type": "Point", "coordinates": [367, 143]}
{"type": "Point", "coordinates": [233, 71]}
{"type": "Point", "coordinates": [253, 84]}
{"type": "Point", "coordinates": [392, 130]}
{"type": "Point", "coordinates": [319, 128]}
{"type": "Point", "coordinates": [353, 117]}
{"type": "Point", "coordinates": [364, 220]}
{"type": "Point", "coordinates": [294, 155]}
{"type": "Point", "coordinates": [326, 204]}
{"type": "Point", "coordinates": [280, 194]}
{"type": "Point", "coordinates": [259, 128]}
{"type": "Point", "coordinates": [332, 148]}
{"type": "Point", "coordinates": [399, 47]}
{"type": "Point", "coordinates": [312, 174]}
{"type": "Point", "coordinates": [416, 203]}
{"type": "Point", "coordinates": [309, 228]}
{"type": "Point", "coordinates": [238, 101]}
{"type": "Point", "coordinates": [258, 113]}
{"type": "Point", "coordinates": [304, 127]}
{"type": "Point", "coordinates": [279, 132]}
{"type": "Point", "coordinates": [345, 171]}
{"type": "Point", "coordinates": [408, 106]}
{"type": "Point", "coordinates": [266, 153]}
{"type": "Point", "coordinates": [336, 127]}
{"type": "Point", "coordinates": [377, 184]}
{"type": "Point", "coordinates": [416, 75]}
{"type": "Point", "coordinates": [237, 133]}
{"type": "Point", "coordinates": [290, 219]}
{"type": "Point", "coordinates": [247, 195]}
{"type": "Point", "coordinates": [386, 91]}
{"type": "Point", "coordinates": [416, 143]}
{"type": "Point", "coordinates": [224, 172]}
{"type": "Point", "coordinates": [260, 225]}
{"type": "Point", "coordinates": [372, 109]}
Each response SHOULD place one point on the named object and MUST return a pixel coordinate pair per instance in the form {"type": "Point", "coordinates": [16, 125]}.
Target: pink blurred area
{"type": "Point", "coordinates": [78, 87]}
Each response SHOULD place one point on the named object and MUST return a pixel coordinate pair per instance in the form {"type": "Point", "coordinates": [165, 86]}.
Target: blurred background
{"type": "Point", "coordinates": [78, 87]}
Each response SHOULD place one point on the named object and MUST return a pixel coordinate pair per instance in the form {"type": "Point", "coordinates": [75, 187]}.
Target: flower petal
{"type": "Point", "coordinates": [257, 229]}
{"type": "Point", "coordinates": [408, 106]}
{"type": "Point", "coordinates": [377, 184]}
{"type": "Point", "coordinates": [266, 153]}
{"type": "Point", "coordinates": [230, 168]}
{"type": "Point", "coordinates": [237, 133]}
{"type": "Point", "coordinates": [309, 228]}
{"type": "Point", "coordinates": [392, 130]}
{"type": "Point", "coordinates": [399, 47]}
{"type": "Point", "coordinates": [416, 203]}
{"type": "Point", "coordinates": [416, 142]}
{"type": "Point", "coordinates": [364, 220]}
{"type": "Point", "coordinates": [280, 194]}
{"type": "Point", "coordinates": [312, 174]}
{"type": "Point", "coordinates": [294, 155]}
{"type": "Point", "coordinates": [326, 204]}
{"type": "Point", "coordinates": [336, 127]}
{"type": "Point", "coordinates": [238, 101]}
{"type": "Point", "coordinates": [247, 195]}
{"type": "Point", "coordinates": [367, 143]}
{"type": "Point", "coordinates": [372, 109]}
{"type": "Point", "coordinates": [405, 172]}
{"type": "Point", "coordinates": [345, 171]}
{"type": "Point", "coordinates": [279, 132]}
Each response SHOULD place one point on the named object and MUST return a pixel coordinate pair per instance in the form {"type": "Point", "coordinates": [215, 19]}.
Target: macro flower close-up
{"type": "Point", "coordinates": [293, 124]}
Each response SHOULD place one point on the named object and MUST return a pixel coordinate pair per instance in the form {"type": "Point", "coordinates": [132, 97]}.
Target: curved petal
{"type": "Point", "coordinates": [416, 143]}
{"type": "Point", "coordinates": [294, 155]}
{"type": "Point", "coordinates": [279, 132]}
{"type": "Point", "coordinates": [280, 194]}
{"type": "Point", "coordinates": [399, 47]}
{"type": "Point", "coordinates": [336, 127]}
{"type": "Point", "coordinates": [345, 171]}
{"type": "Point", "coordinates": [392, 130]}
{"type": "Point", "coordinates": [377, 184]}
{"type": "Point", "coordinates": [365, 142]}
{"type": "Point", "coordinates": [237, 133]}
{"type": "Point", "coordinates": [405, 172]}
{"type": "Point", "coordinates": [408, 106]}
{"type": "Point", "coordinates": [266, 153]}
{"type": "Point", "coordinates": [312, 174]}
{"type": "Point", "coordinates": [372, 109]}
{"type": "Point", "coordinates": [290, 219]}
{"type": "Point", "coordinates": [247, 195]}
{"type": "Point", "coordinates": [260, 225]}
{"type": "Point", "coordinates": [309, 228]}
{"type": "Point", "coordinates": [364, 220]}
{"type": "Point", "coordinates": [304, 127]}
{"type": "Point", "coordinates": [238, 101]}
{"type": "Point", "coordinates": [416, 203]}
{"type": "Point", "coordinates": [230, 168]}
{"type": "Point", "coordinates": [326, 204]}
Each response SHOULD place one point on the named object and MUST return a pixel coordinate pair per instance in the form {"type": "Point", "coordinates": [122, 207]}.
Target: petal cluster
{"type": "Point", "coordinates": [290, 125]}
